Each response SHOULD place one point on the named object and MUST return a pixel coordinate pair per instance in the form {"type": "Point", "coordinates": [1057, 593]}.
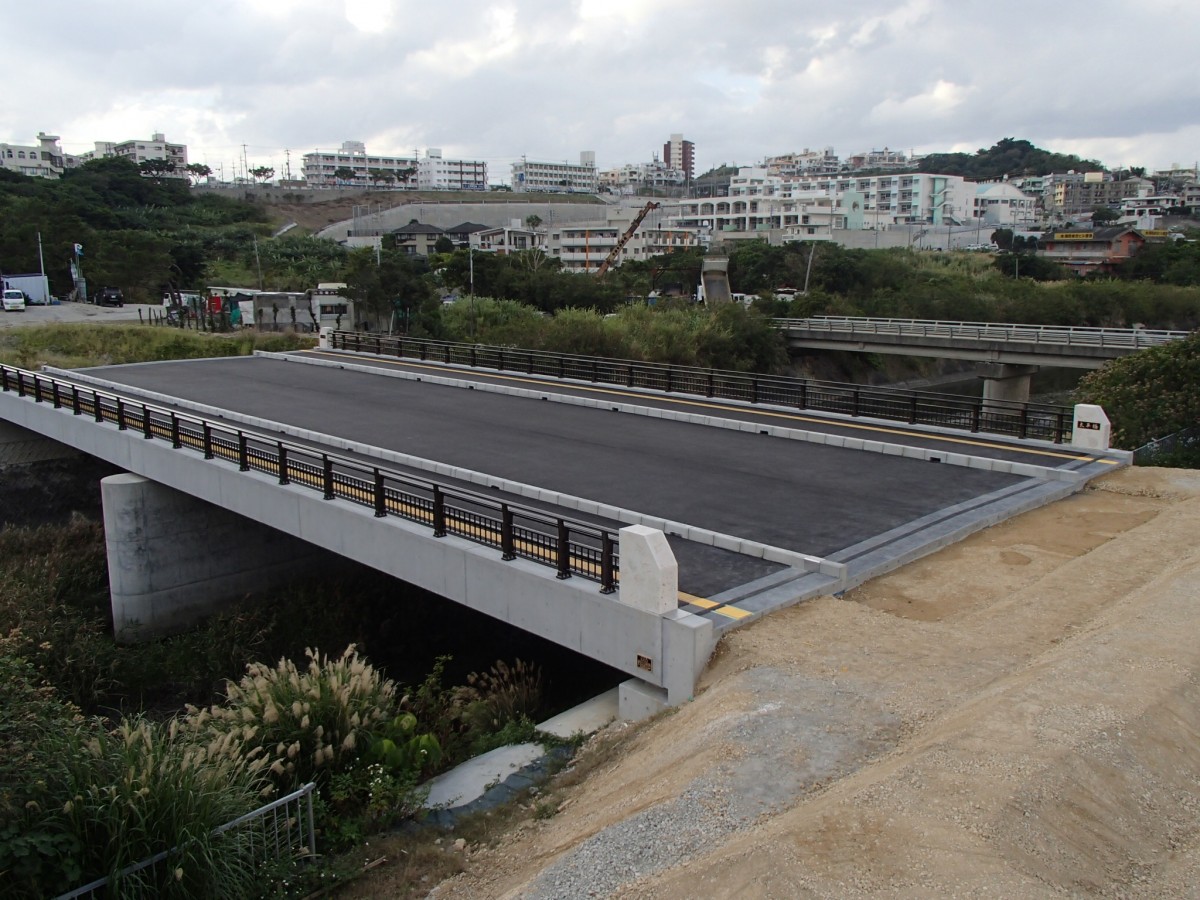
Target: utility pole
{"type": "Point", "coordinates": [288, 165]}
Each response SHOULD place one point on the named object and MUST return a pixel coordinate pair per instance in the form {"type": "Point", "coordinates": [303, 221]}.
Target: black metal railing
{"type": "Point", "coordinates": [1004, 417]}
{"type": "Point", "coordinates": [568, 546]}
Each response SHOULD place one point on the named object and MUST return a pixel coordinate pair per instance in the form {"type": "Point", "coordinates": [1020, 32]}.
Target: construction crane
{"type": "Point", "coordinates": [624, 239]}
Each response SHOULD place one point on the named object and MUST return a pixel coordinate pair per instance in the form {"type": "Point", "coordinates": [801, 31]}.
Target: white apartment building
{"type": "Point", "coordinates": [437, 174]}
{"type": "Point", "coordinates": [556, 177]}
{"type": "Point", "coordinates": [41, 160]}
{"type": "Point", "coordinates": [909, 198]}
{"type": "Point", "coordinates": [1001, 203]}
{"type": "Point", "coordinates": [321, 166]}
{"type": "Point", "coordinates": [583, 246]}
{"type": "Point", "coordinates": [631, 177]}
{"type": "Point", "coordinates": [139, 151]}
{"type": "Point", "coordinates": [879, 159]}
{"type": "Point", "coordinates": [798, 216]}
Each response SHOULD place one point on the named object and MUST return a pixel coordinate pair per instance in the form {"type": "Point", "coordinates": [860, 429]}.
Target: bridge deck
{"type": "Point", "coordinates": [797, 495]}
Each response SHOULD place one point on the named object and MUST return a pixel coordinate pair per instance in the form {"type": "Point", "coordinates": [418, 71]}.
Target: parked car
{"type": "Point", "coordinates": [14, 301]}
{"type": "Point", "coordinates": [110, 297]}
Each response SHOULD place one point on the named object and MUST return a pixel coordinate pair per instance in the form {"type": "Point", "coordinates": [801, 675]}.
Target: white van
{"type": "Point", "coordinates": [14, 301]}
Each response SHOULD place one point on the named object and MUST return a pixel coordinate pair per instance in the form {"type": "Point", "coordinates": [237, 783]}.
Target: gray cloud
{"type": "Point", "coordinates": [546, 78]}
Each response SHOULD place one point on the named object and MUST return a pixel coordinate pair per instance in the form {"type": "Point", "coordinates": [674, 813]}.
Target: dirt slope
{"type": "Point", "coordinates": [1018, 715]}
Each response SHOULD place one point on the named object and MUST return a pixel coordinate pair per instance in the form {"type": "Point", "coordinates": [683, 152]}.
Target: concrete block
{"type": "Point", "coordinates": [1091, 429]}
{"type": "Point", "coordinates": [637, 700]}
{"type": "Point", "coordinates": [649, 572]}
{"type": "Point", "coordinates": [586, 718]}
{"type": "Point", "coordinates": [688, 642]}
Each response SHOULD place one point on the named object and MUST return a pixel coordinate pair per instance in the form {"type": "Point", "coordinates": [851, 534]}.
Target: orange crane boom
{"type": "Point", "coordinates": [624, 239]}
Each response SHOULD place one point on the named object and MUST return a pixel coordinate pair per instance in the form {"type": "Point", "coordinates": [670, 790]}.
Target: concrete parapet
{"type": "Point", "coordinates": [1091, 429]}
{"type": "Point", "coordinates": [649, 572]}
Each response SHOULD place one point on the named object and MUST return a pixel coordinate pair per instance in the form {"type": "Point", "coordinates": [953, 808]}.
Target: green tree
{"type": "Point", "coordinates": [532, 222]}
{"type": "Point", "coordinates": [156, 168]}
{"type": "Point", "coordinates": [1104, 215]}
{"type": "Point", "coordinates": [197, 172]}
{"type": "Point", "coordinates": [262, 173]}
{"type": "Point", "coordinates": [1150, 394]}
{"type": "Point", "coordinates": [344, 173]}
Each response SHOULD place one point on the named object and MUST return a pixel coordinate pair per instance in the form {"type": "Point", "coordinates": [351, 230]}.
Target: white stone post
{"type": "Point", "coordinates": [649, 572]}
{"type": "Point", "coordinates": [1091, 429]}
{"type": "Point", "coordinates": [323, 339]}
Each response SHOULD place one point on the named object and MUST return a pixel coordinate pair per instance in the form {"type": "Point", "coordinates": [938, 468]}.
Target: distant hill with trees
{"type": "Point", "coordinates": [1009, 156]}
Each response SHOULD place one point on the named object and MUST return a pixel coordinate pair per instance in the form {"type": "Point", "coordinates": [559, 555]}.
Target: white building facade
{"type": "Point", "coordinates": [140, 151]}
{"type": "Point", "coordinates": [437, 174]}
{"type": "Point", "coordinates": [321, 167]}
{"type": "Point", "coordinates": [41, 160]}
{"type": "Point", "coordinates": [1001, 203]}
{"type": "Point", "coordinates": [583, 246]}
{"type": "Point", "coordinates": [556, 177]}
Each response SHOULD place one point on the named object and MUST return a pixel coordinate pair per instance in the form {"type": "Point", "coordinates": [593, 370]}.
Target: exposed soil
{"type": "Point", "coordinates": [1016, 715]}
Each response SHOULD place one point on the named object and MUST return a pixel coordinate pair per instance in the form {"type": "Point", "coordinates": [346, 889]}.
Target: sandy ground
{"type": "Point", "coordinates": [1015, 716]}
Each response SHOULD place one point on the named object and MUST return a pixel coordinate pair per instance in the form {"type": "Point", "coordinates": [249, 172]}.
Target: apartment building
{"type": "Point", "coordinates": [1075, 193]}
{"type": "Point", "coordinates": [809, 162]}
{"type": "Point", "coordinates": [583, 246]}
{"type": "Point", "coordinates": [41, 160]}
{"type": "Point", "coordinates": [680, 154]}
{"type": "Point", "coordinates": [878, 159]}
{"type": "Point", "coordinates": [320, 167]}
{"type": "Point", "coordinates": [909, 198]}
{"type": "Point", "coordinates": [437, 174]}
{"type": "Point", "coordinates": [632, 177]}
{"type": "Point", "coordinates": [797, 216]}
{"type": "Point", "coordinates": [530, 176]}
{"type": "Point", "coordinates": [140, 151]}
{"type": "Point", "coordinates": [1002, 203]}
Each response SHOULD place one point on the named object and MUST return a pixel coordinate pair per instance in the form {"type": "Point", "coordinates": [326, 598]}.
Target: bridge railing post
{"type": "Point", "coordinates": [120, 414]}
{"type": "Point", "coordinates": [147, 431]}
{"type": "Point", "coordinates": [75, 408]}
{"type": "Point", "coordinates": [607, 568]}
{"type": "Point", "coordinates": [175, 439]}
{"type": "Point", "coordinates": [327, 476]}
{"type": "Point", "coordinates": [54, 398]}
{"type": "Point", "coordinates": [281, 456]}
{"type": "Point", "coordinates": [97, 409]}
{"type": "Point", "coordinates": [20, 384]}
{"type": "Point", "coordinates": [564, 551]}
{"type": "Point", "coordinates": [4, 378]}
{"type": "Point", "coordinates": [380, 497]}
{"type": "Point", "coordinates": [243, 453]}
{"type": "Point", "coordinates": [439, 512]}
{"type": "Point", "coordinates": [508, 548]}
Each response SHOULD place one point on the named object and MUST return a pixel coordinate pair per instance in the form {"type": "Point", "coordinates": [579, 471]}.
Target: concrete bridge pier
{"type": "Point", "coordinates": [1006, 382]}
{"type": "Point", "coordinates": [174, 559]}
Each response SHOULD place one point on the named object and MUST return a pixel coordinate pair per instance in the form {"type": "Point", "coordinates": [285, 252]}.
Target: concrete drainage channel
{"type": "Point", "coordinates": [501, 775]}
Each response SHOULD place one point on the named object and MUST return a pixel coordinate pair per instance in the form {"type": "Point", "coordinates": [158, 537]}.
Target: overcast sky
{"type": "Point", "coordinates": [498, 79]}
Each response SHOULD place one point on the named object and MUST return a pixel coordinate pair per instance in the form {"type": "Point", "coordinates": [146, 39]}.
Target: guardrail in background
{"type": "Point", "coordinates": [1022, 420]}
{"type": "Point", "coordinates": [569, 546]}
{"type": "Point", "coordinates": [284, 826]}
{"type": "Point", "coordinates": [1115, 338]}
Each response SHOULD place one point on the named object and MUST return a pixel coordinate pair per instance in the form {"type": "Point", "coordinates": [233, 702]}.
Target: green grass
{"type": "Point", "coordinates": [73, 346]}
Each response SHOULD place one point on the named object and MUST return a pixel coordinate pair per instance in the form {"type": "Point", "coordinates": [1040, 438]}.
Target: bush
{"type": "Point", "coordinates": [309, 721]}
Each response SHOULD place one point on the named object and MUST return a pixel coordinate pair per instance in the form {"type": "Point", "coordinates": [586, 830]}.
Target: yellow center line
{"type": "Point", "coordinates": [701, 404]}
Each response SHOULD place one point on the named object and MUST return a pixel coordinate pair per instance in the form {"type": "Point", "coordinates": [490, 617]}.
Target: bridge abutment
{"type": "Point", "coordinates": [1006, 382]}
{"type": "Point", "coordinates": [174, 559]}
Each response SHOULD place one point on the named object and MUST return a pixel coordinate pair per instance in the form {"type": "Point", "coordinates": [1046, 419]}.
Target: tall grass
{"type": "Point", "coordinates": [79, 345]}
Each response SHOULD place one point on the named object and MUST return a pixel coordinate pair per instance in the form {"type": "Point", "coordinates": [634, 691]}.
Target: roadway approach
{"type": "Point", "coordinates": [834, 500]}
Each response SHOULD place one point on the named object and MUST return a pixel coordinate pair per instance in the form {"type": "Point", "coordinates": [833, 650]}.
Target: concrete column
{"type": "Point", "coordinates": [173, 559]}
{"type": "Point", "coordinates": [1002, 381]}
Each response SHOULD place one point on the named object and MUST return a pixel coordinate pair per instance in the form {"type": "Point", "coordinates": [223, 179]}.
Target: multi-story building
{"type": "Point", "coordinates": [632, 177]}
{"type": "Point", "coordinates": [1075, 193]}
{"type": "Point", "coordinates": [1002, 203]}
{"type": "Point", "coordinates": [42, 160]}
{"type": "Point", "coordinates": [322, 167]}
{"type": "Point", "coordinates": [796, 216]}
{"type": "Point", "coordinates": [556, 177]}
{"type": "Point", "coordinates": [810, 162]}
{"type": "Point", "coordinates": [583, 246]}
{"type": "Point", "coordinates": [140, 151]}
{"type": "Point", "coordinates": [437, 174]}
{"type": "Point", "coordinates": [878, 159]}
{"type": "Point", "coordinates": [907, 198]}
{"type": "Point", "coordinates": [680, 154]}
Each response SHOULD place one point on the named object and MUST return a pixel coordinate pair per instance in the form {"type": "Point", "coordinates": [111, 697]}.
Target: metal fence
{"type": "Point", "coordinates": [282, 828]}
{"type": "Point", "coordinates": [1187, 439]}
{"type": "Point", "coordinates": [569, 546]}
{"type": "Point", "coordinates": [1023, 420]}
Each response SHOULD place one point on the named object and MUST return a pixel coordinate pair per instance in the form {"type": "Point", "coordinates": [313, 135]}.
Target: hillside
{"type": "Point", "coordinates": [1016, 715]}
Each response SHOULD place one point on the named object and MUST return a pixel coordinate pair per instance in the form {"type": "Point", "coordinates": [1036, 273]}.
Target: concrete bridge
{"type": "Point", "coordinates": [632, 525]}
{"type": "Point", "coordinates": [1010, 354]}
